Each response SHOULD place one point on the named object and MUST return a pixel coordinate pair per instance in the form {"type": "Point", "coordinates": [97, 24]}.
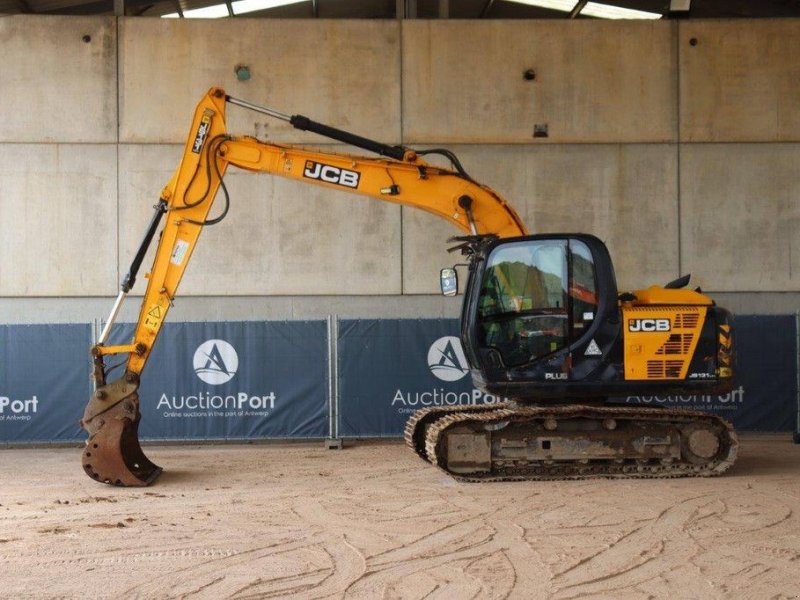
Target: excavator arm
{"type": "Point", "coordinates": [113, 454]}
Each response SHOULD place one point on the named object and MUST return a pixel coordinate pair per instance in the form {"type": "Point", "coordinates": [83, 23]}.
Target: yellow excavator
{"type": "Point", "coordinates": [542, 324]}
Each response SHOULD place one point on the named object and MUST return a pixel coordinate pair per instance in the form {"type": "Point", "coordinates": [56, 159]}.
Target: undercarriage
{"type": "Point", "coordinates": [509, 441]}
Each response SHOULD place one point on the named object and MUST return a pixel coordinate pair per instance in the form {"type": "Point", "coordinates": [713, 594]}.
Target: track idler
{"type": "Point", "coordinates": [113, 454]}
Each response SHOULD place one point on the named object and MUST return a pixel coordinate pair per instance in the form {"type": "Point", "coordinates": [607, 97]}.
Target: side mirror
{"type": "Point", "coordinates": [448, 281]}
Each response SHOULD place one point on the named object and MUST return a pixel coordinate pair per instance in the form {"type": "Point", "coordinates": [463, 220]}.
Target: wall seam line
{"type": "Point", "coordinates": [119, 120]}
{"type": "Point", "coordinates": [402, 143]}
{"type": "Point", "coordinates": [677, 38]}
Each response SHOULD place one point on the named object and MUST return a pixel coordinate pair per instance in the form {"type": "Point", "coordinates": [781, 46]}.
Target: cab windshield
{"type": "Point", "coordinates": [535, 296]}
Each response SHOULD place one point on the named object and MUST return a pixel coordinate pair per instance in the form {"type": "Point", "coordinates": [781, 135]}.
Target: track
{"type": "Point", "coordinates": [651, 442]}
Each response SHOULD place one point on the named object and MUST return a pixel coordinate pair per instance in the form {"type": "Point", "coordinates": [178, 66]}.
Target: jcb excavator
{"type": "Point", "coordinates": [542, 324]}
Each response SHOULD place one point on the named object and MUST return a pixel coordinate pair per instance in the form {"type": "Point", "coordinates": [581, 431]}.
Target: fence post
{"type": "Point", "coordinates": [333, 442]}
{"type": "Point", "coordinates": [796, 435]}
{"type": "Point", "coordinates": [94, 332]}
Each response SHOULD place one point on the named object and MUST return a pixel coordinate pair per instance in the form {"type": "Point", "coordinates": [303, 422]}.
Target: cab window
{"type": "Point", "coordinates": [537, 296]}
{"type": "Point", "coordinates": [582, 288]}
{"type": "Point", "coordinates": [523, 305]}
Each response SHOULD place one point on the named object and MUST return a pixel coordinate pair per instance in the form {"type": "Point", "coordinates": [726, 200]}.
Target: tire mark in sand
{"type": "Point", "coordinates": [631, 559]}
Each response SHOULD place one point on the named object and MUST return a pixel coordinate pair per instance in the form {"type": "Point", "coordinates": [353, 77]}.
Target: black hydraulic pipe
{"type": "Point", "coordinates": [130, 277]}
{"type": "Point", "coordinates": [306, 124]}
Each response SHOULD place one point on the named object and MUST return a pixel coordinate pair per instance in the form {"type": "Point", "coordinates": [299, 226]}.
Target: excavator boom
{"type": "Point", "coordinates": [113, 454]}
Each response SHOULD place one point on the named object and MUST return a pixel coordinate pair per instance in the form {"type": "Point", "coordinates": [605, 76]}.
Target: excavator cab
{"type": "Point", "coordinates": [543, 320]}
{"type": "Point", "coordinates": [531, 302]}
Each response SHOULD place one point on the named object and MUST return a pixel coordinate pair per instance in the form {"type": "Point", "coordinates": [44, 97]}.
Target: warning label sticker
{"type": "Point", "coordinates": [179, 252]}
{"type": "Point", "coordinates": [592, 349]}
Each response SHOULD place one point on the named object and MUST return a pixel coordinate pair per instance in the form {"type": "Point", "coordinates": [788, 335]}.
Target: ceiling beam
{"type": "Point", "coordinates": [576, 10]}
{"type": "Point", "coordinates": [24, 7]}
{"type": "Point", "coordinates": [405, 9]}
{"type": "Point", "coordinates": [487, 8]}
{"type": "Point", "coordinates": [140, 10]}
{"type": "Point", "coordinates": [91, 8]}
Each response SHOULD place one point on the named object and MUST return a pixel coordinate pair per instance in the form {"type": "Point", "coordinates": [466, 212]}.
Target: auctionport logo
{"type": "Point", "coordinates": [18, 410]}
{"type": "Point", "coordinates": [446, 359]}
{"type": "Point", "coordinates": [215, 362]}
{"type": "Point", "coordinates": [447, 362]}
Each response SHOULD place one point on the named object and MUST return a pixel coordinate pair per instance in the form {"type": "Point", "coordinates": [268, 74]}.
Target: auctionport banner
{"type": "Point", "coordinates": [390, 368]}
{"type": "Point", "coordinates": [251, 380]}
{"type": "Point", "coordinates": [44, 382]}
{"type": "Point", "coordinates": [765, 395]}
{"type": "Point", "coordinates": [235, 380]}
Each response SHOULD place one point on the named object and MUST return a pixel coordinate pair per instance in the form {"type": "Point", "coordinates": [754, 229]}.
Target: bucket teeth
{"type": "Point", "coordinates": [113, 454]}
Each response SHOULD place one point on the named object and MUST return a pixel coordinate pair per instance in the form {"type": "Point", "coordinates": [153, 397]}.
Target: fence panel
{"type": "Point", "coordinates": [235, 380]}
{"type": "Point", "coordinates": [44, 382]}
{"type": "Point", "coordinates": [390, 368]}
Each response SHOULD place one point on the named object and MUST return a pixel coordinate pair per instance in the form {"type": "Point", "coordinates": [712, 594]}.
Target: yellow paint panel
{"type": "Point", "coordinates": [658, 295]}
{"type": "Point", "coordinates": [660, 342]}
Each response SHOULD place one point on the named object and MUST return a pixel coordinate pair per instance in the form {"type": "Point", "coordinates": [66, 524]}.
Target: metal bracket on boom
{"type": "Point", "coordinates": [471, 244]}
{"type": "Point", "coordinates": [465, 202]}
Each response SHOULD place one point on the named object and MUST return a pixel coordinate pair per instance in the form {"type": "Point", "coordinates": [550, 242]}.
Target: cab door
{"type": "Point", "coordinates": [538, 298]}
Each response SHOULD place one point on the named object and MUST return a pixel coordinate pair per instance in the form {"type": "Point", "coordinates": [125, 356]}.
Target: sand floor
{"type": "Point", "coordinates": [373, 521]}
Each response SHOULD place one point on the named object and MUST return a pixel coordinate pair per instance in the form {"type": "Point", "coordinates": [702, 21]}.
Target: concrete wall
{"type": "Point", "coordinates": [675, 142]}
{"type": "Point", "coordinates": [740, 81]}
{"type": "Point", "coordinates": [342, 72]}
{"type": "Point", "coordinates": [595, 81]}
{"type": "Point", "coordinates": [58, 88]}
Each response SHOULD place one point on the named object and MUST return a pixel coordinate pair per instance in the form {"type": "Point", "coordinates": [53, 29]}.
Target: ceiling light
{"type": "Point", "coordinates": [239, 8]}
{"type": "Point", "coordinates": [216, 11]}
{"type": "Point", "coordinates": [562, 5]}
{"type": "Point", "coordinates": [608, 11]}
{"type": "Point", "coordinates": [245, 6]}
{"type": "Point", "coordinates": [592, 9]}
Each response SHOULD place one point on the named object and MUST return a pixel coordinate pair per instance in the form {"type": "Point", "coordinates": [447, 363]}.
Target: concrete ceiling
{"type": "Point", "coordinates": [388, 9]}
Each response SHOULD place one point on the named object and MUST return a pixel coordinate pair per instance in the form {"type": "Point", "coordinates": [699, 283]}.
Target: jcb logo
{"type": "Point", "coordinates": [331, 174]}
{"type": "Point", "coordinates": [648, 325]}
{"type": "Point", "coordinates": [202, 132]}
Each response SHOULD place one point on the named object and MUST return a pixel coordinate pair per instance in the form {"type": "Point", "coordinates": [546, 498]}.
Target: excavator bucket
{"type": "Point", "coordinates": [113, 454]}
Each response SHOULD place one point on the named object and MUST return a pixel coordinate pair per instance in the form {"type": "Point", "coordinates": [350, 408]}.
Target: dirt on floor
{"type": "Point", "coordinates": [374, 521]}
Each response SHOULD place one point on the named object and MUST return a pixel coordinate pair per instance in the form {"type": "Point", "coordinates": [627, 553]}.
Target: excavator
{"type": "Point", "coordinates": [543, 325]}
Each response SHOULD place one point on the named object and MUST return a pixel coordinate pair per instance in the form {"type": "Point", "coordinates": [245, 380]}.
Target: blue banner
{"type": "Point", "coordinates": [235, 380]}
{"type": "Point", "coordinates": [44, 382]}
{"type": "Point", "coordinates": [390, 368]}
{"type": "Point", "coordinates": [256, 380]}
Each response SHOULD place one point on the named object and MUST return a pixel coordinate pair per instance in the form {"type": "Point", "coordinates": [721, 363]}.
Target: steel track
{"type": "Point", "coordinates": [426, 431]}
